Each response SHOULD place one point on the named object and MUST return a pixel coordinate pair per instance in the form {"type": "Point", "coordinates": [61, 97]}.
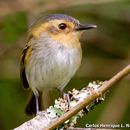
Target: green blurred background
{"type": "Point", "coordinates": [106, 50]}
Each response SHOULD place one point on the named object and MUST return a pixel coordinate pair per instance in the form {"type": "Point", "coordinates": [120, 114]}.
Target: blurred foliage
{"type": "Point", "coordinates": [107, 46]}
{"type": "Point", "coordinates": [12, 104]}
{"type": "Point", "coordinates": [12, 27]}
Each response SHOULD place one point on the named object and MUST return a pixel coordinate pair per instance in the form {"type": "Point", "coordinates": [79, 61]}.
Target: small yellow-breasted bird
{"type": "Point", "coordinates": [51, 57]}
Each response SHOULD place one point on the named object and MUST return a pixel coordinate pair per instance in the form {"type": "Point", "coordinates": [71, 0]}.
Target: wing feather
{"type": "Point", "coordinates": [22, 66]}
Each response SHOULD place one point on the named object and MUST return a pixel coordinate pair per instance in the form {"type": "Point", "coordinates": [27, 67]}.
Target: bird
{"type": "Point", "coordinates": [51, 56]}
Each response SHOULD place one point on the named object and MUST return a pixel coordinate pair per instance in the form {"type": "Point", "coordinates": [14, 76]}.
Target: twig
{"type": "Point", "coordinates": [115, 79]}
{"type": "Point", "coordinates": [82, 104]}
{"type": "Point", "coordinates": [107, 85]}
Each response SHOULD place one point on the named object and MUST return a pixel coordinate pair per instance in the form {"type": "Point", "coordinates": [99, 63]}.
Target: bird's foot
{"type": "Point", "coordinates": [67, 97]}
{"type": "Point", "coordinates": [39, 113]}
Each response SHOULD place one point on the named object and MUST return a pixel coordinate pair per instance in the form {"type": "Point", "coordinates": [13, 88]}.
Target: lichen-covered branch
{"type": "Point", "coordinates": [65, 113]}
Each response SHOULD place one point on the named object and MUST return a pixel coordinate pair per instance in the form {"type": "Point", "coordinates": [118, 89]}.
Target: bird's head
{"type": "Point", "coordinates": [61, 28]}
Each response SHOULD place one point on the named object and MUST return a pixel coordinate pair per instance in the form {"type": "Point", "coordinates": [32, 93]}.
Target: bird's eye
{"type": "Point", "coordinates": [62, 26]}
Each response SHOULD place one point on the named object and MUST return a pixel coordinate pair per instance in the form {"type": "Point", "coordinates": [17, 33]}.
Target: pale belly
{"type": "Point", "coordinates": [53, 70]}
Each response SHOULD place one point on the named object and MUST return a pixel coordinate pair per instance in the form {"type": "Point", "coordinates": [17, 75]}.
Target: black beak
{"type": "Point", "coordinates": [85, 27]}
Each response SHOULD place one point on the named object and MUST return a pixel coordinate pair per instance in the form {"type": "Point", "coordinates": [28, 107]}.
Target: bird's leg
{"type": "Point", "coordinates": [37, 104]}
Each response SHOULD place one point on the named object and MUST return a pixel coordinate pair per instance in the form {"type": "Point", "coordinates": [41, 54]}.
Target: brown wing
{"type": "Point", "coordinates": [22, 67]}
